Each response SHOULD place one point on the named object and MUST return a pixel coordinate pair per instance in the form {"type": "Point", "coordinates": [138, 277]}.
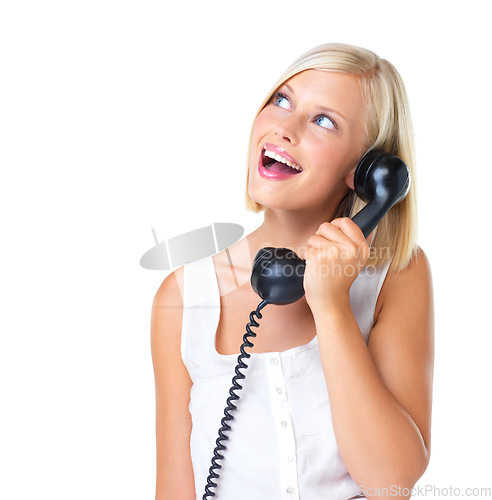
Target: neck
{"type": "Point", "coordinates": [289, 228]}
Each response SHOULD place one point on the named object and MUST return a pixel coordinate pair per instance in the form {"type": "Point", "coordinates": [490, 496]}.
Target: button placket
{"type": "Point", "coordinates": [285, 432]}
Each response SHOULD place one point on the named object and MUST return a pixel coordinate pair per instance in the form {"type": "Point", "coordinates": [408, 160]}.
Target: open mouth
{"type": "Point", "coordinates": [276, 163]}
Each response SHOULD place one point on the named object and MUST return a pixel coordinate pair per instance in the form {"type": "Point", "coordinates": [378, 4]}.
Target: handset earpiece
{"type": "Point", "coordinates": [381, 179]}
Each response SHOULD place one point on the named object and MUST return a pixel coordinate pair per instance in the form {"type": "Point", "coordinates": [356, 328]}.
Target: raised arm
{"type": "Point", "coordinates": [174, 477]}
{"type": "Point", "coordinates": [380, 393]}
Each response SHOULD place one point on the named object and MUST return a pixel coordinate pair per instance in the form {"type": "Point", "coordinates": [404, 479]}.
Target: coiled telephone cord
{"type": "Point", "coordinates": [233, 397]}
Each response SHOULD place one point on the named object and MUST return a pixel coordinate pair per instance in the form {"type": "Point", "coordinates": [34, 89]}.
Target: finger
{"type": "Point", "coordinates": [320, 247]}
{"type": "Point", "coordinates": [318, 241]}
{"type": "Point", "coordinates": [349, 228]}
{"type": "Point", "coordinates": [312, 252]}
{"type": "Point", "coordinates": [333, 232]}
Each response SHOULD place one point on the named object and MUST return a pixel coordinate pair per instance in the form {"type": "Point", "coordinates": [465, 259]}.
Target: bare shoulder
{"type": "Point", "coordinates": [418, 268]}
{"type": "Point", "coordinates": [404, 289]}
{"type": "Point", "coordinates": [405, 303]}
{"type": "Point", "coordinates": [170, 292]}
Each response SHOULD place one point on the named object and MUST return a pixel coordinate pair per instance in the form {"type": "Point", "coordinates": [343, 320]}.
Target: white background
{"type": "Point", "coordinates": [117, 117]}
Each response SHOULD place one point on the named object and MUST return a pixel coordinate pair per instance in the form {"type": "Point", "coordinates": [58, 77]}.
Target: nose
{"type": "Point", "coordinates": [287, 129]}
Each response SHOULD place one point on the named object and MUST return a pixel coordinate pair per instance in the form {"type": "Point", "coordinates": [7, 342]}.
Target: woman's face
{"type": "Point", "coordinates": [316, 121]}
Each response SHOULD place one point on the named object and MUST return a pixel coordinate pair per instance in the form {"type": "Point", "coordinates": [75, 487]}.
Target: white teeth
{"type": "Point", "coordinates": [281, 159]}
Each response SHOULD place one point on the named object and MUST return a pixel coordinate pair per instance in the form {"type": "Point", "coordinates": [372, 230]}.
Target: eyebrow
{"type": "Point", "coordinates": [323, 108]}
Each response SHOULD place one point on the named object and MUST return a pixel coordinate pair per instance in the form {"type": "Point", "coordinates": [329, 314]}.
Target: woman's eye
{"type": "Point", "coordinates": [281, 101]}
{"type": "Point", "coordinates": [326, 122]}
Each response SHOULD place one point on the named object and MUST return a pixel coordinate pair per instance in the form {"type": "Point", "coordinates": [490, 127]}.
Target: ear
{"type": "Point", "coordinates": [349, 179]}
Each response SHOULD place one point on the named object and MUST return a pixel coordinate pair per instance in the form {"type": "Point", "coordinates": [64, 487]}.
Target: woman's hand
{"type": "Point", "coordinates": [335, 255]}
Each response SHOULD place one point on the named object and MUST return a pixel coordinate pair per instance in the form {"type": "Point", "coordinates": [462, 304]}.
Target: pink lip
{"type": "Point", "coordinates": [281, 152]}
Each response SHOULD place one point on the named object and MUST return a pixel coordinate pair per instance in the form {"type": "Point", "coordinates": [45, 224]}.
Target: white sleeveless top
{"type": "Point", "coordinates": [281, 444]}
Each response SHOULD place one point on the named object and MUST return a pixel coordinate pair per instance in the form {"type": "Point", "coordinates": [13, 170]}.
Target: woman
{"type": "Point", "coordinates": [336, 403]}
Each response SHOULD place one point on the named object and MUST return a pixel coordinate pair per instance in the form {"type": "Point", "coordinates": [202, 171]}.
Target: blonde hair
{"type": "Point", "coordinates": [388, 127]}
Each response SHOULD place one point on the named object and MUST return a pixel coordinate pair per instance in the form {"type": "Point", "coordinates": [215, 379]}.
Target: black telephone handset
{"type": "Point", "coordinates": [382, 180]}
